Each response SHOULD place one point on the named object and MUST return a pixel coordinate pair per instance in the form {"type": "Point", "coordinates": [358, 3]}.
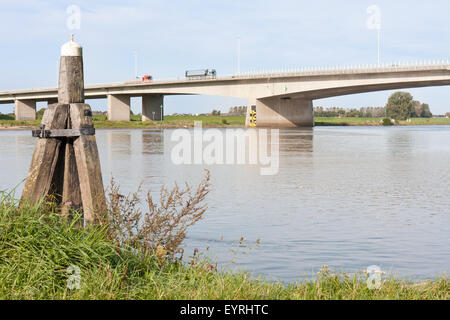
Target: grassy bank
{"type": "Point", "coordinates": [377, 121]}
{"type": "Point", "coordinates": [38, 247]}
{"type": "Point", "coordinates": [172, 122]}
{"type": "Point", "coordinates": [101, 122]}
{"type": "Point", "coordinates": [7, 121]}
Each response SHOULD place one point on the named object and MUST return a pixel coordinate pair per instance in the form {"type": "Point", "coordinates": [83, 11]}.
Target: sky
{"type": "Point", "coordinates": [169, 37]}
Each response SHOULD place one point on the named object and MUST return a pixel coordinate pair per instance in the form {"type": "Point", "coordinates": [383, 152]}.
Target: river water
{"type": "Point", "coordinates": [346, 197]}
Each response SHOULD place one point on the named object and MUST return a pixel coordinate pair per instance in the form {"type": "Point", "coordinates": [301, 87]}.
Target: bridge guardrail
{"type": "Point", "coordinates": [305, 71]}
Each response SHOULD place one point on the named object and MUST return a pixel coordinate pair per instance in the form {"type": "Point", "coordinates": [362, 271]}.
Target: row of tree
{"type": "Point", "coordinates": [234, 111]}
{"type": "Point", "coordinates": [367, 112]}
{"type": "Point", "coordinates": [402, 106]}
{"type": "Point", "coordinates": [238, 111]}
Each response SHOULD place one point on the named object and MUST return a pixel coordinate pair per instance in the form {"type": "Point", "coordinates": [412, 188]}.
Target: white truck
{"type": "Point", "coordinates": [201, 74]}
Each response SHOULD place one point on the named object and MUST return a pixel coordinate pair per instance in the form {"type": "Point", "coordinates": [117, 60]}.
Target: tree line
{"type": "Point", "coordinates": [233, 111]}
{"type": "Point", "coordinates": [366, 112]}
{"type": "Point", "coordinates": [400, 106]}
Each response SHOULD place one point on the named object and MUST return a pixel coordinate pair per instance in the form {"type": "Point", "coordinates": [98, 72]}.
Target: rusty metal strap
{"type": "Point", "coordinates": [63, 133]}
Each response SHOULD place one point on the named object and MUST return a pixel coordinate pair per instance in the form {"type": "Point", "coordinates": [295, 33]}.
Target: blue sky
{"type": "Point", "coordinates": [173, 36]}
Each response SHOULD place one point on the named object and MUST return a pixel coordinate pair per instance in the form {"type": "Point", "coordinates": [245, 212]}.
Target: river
{"type": "Point", "coordinates": [346, 197]}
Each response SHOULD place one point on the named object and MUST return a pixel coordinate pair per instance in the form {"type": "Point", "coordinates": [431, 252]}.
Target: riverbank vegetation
{"type": "Point", "coordinates": [100, 122]}
{"type": "Point", "coordinates": [325, 121]}
{"type": "Point", "coordinates": [400, 106]}
{"type": "Point", "coordinates": [46, 256]}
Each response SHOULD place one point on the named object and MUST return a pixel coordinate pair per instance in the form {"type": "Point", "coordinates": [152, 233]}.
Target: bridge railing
{"type": "Point", "coordinates": [385, 67]}
{"type": "Point", "coordinates": [288, 72]}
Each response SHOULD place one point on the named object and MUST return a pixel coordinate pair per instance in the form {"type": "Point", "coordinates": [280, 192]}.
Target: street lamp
{"type": "Point", "coordinates": [239, 55]}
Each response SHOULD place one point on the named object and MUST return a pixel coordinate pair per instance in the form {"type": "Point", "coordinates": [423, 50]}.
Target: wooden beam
{"type": "Point", "coordinates": [88, 165]}
{"type": "Point", "coordinates": [45, 157]}
{"type": "Point", "coordinates": [71, 199]}
{"type": "Point", "coordinates": [71, 82]}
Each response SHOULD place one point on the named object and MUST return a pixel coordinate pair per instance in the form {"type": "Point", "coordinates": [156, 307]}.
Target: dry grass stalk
{"type": "Point", "coordinates": [165, 224]}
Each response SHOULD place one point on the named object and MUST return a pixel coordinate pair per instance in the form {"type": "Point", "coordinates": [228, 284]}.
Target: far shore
{"type": "Point", "coordinates": [172, 122]}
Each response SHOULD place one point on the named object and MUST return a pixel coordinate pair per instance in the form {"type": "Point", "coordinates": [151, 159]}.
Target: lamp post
{"type": "Point", "coordinates": [374, 23]}
{"type": "Point", "coordinates": [239, 55]}
{"type": "Point", "coordinates": [136, 65]}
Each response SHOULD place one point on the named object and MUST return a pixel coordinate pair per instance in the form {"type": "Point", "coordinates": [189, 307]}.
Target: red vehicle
{"type": "Point", "coordinates": [147, 78]}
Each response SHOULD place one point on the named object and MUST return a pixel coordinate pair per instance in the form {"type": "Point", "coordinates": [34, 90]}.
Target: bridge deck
{"type": "Point", "coordinates": [288, 76]}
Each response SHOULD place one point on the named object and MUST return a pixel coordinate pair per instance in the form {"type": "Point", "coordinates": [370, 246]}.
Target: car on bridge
{"type": "Point", "coordinates": [147, 78]}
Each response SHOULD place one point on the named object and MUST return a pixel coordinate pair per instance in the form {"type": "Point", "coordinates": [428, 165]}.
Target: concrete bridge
{"type": "Point", "coordinates": [281, 99]}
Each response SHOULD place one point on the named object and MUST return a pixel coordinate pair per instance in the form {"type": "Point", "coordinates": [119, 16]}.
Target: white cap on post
{"type": "Point", "coordinates": [71, 49]}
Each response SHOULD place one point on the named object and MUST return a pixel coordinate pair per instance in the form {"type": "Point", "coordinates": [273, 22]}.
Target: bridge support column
{"type": "Point", "coordinates": [118, 107]}
{"type": "Point", "coordinates": [25, 109]}
{"type": "Point", "coordinates": [152, 107]}
{"type": "Point", "coordinates": [284, 112]}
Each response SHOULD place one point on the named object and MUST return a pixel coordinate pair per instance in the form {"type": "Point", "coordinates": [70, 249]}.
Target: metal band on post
{"type": "Point", "coordinates": [62, 133]}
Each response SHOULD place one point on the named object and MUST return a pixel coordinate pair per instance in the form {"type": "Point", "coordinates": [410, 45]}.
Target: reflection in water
{"type": "Point", "coordinates": [152, 142]}
{"type": "Point", "coordinates": [399, 143]}
{"type": "Point", "coordinates": [345, 197]}
{"type": "Point", "coordinates": [119, 142]}
{"type": "Point", "coordinates": [298, 140]}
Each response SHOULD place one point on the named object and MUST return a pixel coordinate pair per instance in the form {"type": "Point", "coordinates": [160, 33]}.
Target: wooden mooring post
{"type": "Point", "coordinates": [65, 162]}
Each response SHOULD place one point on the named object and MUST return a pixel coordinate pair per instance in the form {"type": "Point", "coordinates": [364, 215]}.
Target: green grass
{"type": "Point", "coordinates": [171, 122]}
{"type": "Point", "coordinates": [322, 121]}
{"type": "Point", "coordinates": [37, 247]}
{"type": "Point", "coordinates": [426, 121]}
{"type": "Point", "coordinates": [7, 120]}
{"type": "Point", "coordinates": [319, 121]}
{"type": "Point", "coordinates": [101, 122]}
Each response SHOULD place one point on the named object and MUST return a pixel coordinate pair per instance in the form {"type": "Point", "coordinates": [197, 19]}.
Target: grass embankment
{"type": "Point", "coordinates": [322, 121]}
{"type": "Point", "coordinates": [101, 122]}
{"type": "Point", "coordinates": [7, 121]}
{"type": "Point", "coordinates": [171, 122]}
{"type": "Point", "coordinates": [36, 250]}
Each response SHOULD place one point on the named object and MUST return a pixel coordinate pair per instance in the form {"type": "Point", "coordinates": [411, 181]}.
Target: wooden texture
{"type": "Point", "coordinates": [88, 166]}
{"type": "Point", "coordinates": [65, 165]}
{"type": "Point", "coordinates": [71, 82]}
{"type": "Point", "coordinates": [71, 195]}
{"type": "Point", "coordinates": [56, 185]}
{"type": "Point", "coordinates": [45, 157]}
{"type": "Point", "coordinates": [64, 133]}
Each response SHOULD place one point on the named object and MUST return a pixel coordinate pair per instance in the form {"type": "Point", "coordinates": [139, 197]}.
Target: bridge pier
{"type": "Point", "coordinates": [283, 112]}
{"type": "Point", "coordinates": [151, 107]}
{"type": "Point", "coordinates": [118, 107]}
{"type": "Point", "coordinates": [251, 103]}
{"type": "Point", "coordinates": [25, 109]}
